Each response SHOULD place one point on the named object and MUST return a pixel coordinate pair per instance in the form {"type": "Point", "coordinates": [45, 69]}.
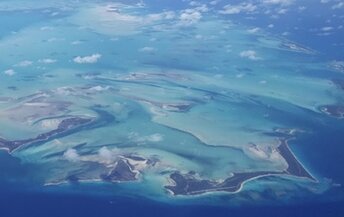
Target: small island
{"type": "Point", "coordinates": [188, 184]}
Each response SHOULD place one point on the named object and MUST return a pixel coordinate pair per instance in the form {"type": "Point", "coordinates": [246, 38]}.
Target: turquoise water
{"type": "Point", "coordinates": [185, 87]}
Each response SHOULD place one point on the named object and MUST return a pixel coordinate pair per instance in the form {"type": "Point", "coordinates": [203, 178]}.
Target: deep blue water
{"type": "Point", "coordinates": [29, 204]}
{"type": "Point", "coordinates": [301, 26]}
{"type": "Point", "coordinates": [321, 151]}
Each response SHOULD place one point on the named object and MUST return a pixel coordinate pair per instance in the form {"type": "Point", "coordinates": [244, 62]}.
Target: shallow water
{"type": "Point", "coordinates": [168, 88]}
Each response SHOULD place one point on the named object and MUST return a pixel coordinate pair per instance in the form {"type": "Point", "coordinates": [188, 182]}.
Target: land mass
{"type": "Point", "coordinates": [188, 184]}
{"type": "Point", "coordinates": [64, 127]}
{"type": "Point", "coordinates": [181, 184]}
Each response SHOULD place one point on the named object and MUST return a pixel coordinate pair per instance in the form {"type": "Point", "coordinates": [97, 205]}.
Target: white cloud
{"type": "Point", "coordinates": [324, 34]}
{"type": "Point", "coordinates": [9, 72]}
{"type": "Point", "coordinates": [54, 14]}
{"type": "Point", "coordinates": [53, 39]}
{"type": "Point", "coordinates": [50, 124]}
{"type": "Point", "coordinates": [47, 61]}
{"type": "Point", "coordinates": [240, 75]}
{"type": "Point", "coordinates": [167, 15]}
{"type": "Point", "coordinates": [327, 28]}
{"type": "Point", "coordinates": [45, 28]}
{"type": "Point", "coordinates": [253, 30]}
{"type": "Point", "coordinates": [282, 11]}
{"type": "Point", "coordinates": [240, 8]}
{"type": "Point", "coordinates": [250, 54]}
{"type": "Point", "coordinates": [87, 59]}
{"type": "Point", "coordinates": [71, 155]}
{"type": "Point", "coordinates": [215, 2]}
{"type": "Point", "coordinates": [339, 5]}
{"type": "Point", "coordinates": [104, 152]}
{"type": "Point", "coordinates": [189, 17]}
{"type": "Point", "coordinates": [155, 137]}
{"type": "Point", "coordinates": [194, 3]}
{"type": "Point", "coordinates": [24, 63]}
{"type": "Point", "coordinates": [147, 49]}
{"type": "Point", "coordinates": [76, 42]}
{"type": "Point", "coordinates": [278, 2]}
{"type": "Point", "coordinates": [141, 4]}
{"type": "Point", "coordinates": [192, 15]}
{"type": "Point", "coordinates": [265, 153]}
{"type": "Point", "coordinates": [302, 8]}
{"type": "Point", "coordinates": [98, 88]}
{"type": "Point", "coordinates": [202, 8]}
{"type": "Point", "coordinates": [106, 155]}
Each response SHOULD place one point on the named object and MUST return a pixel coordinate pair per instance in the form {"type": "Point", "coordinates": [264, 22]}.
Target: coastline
{"type": "Point", "coordinates": [295, 169]}
{"type": "Point", "coordinates": [290, 157]}
{"type": "Point", "coordinates": [5, 149]}
{"type": "Point", "coordinates": [232, 184]}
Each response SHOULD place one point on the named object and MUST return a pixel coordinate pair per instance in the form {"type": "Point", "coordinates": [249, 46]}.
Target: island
{"type": "Point", "coordinates": [188, 184]}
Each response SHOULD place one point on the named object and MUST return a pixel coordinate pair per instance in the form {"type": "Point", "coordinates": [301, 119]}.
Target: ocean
{"type": "Point", "coordinates": [195, 87]}
{"type": "Point", "coordinates": [14, 204]}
